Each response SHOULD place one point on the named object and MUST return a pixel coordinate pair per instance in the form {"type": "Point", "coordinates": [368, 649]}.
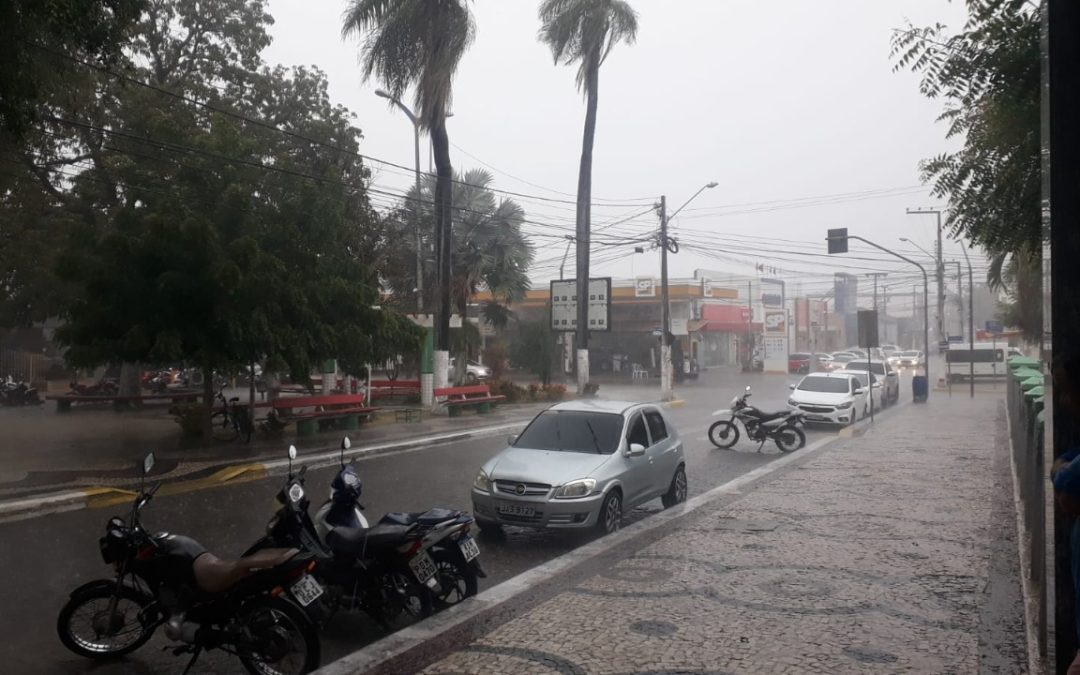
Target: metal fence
{"type": "Point", "coordinates": [1025, 401]}
{"type": "Point", "coordinates": [24, 366]}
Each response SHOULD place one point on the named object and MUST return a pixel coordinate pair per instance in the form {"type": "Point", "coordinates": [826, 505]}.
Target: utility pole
{"type": "Point", "coordinates": [666, 376]}
{"type": "Point", "coordinates": [959, 296]}
{"type": "Point", "coordinates": [940, 272]}
{"type": "Point", "coordinates": [971, 320]}
{"type": "Point", "coordinates": [749, 325]}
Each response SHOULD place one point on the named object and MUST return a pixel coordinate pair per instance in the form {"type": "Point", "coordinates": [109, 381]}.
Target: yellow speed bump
{"type": "Point", "coordinates": [98, 497]}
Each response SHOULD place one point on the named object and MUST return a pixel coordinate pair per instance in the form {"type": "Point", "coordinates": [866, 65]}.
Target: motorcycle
{"type": "Point", "coordinates": [384, 570]}
{"type": "Point", "coordinates": [251, 607]}
{"type": "Point", "coordinates": [781, 427]}
{"type": "Point", "coordinates": [18, 393]}
{"type": "Point", "coordinates": [445, 533]}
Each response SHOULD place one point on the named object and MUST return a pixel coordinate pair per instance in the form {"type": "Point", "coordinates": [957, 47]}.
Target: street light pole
{"type": "Point", "coordinates": [940, 272]}
{"type": "Point", "coordinates": [419, 239]}
{"type": "Point", "coordinates": [666, 374]}
{"type": "Point", "coordinates": [926, 298]}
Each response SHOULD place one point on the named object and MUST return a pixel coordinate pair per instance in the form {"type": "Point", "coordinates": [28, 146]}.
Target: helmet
{"type": "Point", "coordinates": [347, 486]}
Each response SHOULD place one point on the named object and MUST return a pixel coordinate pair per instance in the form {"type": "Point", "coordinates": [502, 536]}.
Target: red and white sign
{"type": "Point", "coordinates": [776, 323]}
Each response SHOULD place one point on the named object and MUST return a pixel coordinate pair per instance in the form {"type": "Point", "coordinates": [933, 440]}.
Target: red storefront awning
{"type": "Point", "coordinates": [726, 319]}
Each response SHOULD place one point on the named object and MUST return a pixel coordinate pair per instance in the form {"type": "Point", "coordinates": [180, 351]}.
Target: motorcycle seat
{"type": "Point", "coordinates": [358, 541]}
{"type": "Point", "coordinates": [768, 417]}
{"type": "Point", "coordinates": [214, 575]}
{"type": "Point", "coordinates": [425, 519]}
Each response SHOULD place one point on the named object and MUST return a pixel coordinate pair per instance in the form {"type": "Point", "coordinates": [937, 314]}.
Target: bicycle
{"type": "Point", "coordinates": [232, 421]}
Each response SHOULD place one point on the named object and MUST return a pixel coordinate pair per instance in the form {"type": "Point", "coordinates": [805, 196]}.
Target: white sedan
{"type": "Point", "coordinates": [832, 398]}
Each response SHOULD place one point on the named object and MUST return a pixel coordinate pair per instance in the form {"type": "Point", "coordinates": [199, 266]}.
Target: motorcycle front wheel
{"type": "Point", "coordinates": [283, 640]}
{"type": "Point", "coordinates": [87, 628]}
{"type": "Point", "coordinates": [724, 434]}
{"type": "Point", "coordinates": [789, 439]}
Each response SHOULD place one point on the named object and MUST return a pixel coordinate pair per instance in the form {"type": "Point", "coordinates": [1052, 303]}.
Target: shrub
{"type": "Point", "coordinates": [190, 417]}
{"type": "Point", "coordinates": [555, 392]}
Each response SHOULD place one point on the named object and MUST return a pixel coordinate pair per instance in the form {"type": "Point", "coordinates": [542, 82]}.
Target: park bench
{"type": "Point", "coordinates": [64, 401]}
{"type": "Point", "coordinates": [309, 411]}
{"type": "Point", "coordinates": [473, 396]}
{"type": "Point", "coordinates": [394, 389]}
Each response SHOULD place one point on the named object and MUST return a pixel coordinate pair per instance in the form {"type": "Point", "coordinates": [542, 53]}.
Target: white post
{"type": "Point", "coordinates": [582, 369]}
{"type": "Point", "coordinates": [666, 379]}
{"type": "Point", "coordinates": [441, 374]}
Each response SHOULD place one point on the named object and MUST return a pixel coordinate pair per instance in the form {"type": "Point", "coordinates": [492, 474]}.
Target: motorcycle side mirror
{"type": "Point", "coordinates": [148, 463]}
{"type": "Point", "coordinates": [346, 443]}
{"type": "Point", "coordinates": [747, 389]}
{"type": "Point", "coordinates": [292, 452]}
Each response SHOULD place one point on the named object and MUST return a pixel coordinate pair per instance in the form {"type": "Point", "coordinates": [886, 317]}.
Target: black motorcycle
{"type": "Point", "coordinates": [782, 427]}
{"type": "Point", "coordinates": [251, 607]}
{"type": "Point", "coordinates": [444, 532]}
{"type": "Point", "coordinates": [14, 393]}
{"type": "Point", "coordinates": [381, 570]}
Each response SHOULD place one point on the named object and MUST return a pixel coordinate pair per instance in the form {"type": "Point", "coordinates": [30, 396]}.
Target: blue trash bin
{"type": "Point", "coordinates": [919, 388]}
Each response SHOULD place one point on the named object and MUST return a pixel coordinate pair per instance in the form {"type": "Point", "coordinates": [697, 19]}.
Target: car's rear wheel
{"type": "Point", "coordinates": [610, 518]}
{"type": "Point", "coordinates": [676, 493]}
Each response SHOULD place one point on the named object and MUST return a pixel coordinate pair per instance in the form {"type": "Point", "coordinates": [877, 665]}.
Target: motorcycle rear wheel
{"type": "Point", "coordinates": [279, 626]}
{"type": "Point", "coordinates": [457, 579]}
{"type": "Point", "coordinates": [724, 434]}
{"type": "Point", "coordinates": [91, 607]}
{"type": "Point", "coordinates": [789, 439]}
{"type": "Point", "coordinates": [402, 601]}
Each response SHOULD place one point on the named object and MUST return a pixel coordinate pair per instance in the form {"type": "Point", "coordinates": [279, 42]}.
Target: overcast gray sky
{"type": "Point", "coordinates": [775, 101]}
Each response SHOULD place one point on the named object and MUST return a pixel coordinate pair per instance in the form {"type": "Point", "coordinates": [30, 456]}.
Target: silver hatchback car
{"type": "Point", "coordinates": [580, 465]}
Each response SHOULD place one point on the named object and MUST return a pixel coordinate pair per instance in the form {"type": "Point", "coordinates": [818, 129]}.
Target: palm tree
{"type": "Point", "coordinates": [489, 249]}
{"type": "Point", "coordinates": [418, 44]}
{"type": "Point", "coordinates": [584, 32]}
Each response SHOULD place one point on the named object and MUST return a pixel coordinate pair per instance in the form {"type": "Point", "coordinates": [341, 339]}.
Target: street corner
{"type": "Point", "coordinates": [676, 403]}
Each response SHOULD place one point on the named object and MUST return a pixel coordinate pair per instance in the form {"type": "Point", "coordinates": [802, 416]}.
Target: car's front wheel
{"type": "Point", "coordinates": [610, 519]}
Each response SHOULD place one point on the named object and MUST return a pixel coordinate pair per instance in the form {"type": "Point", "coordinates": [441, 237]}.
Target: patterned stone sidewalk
{"type": "Point", "coordinates": [876, 555]}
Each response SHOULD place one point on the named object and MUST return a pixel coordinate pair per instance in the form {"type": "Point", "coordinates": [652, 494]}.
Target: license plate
{"type": "Point", "coordinates": [422, 566]}
{"type": "Point", "coordinates": [306, 591]}
{"type": "Point", "coordinates": [515, 510]}
{"type": "Point", "coordinates": [469, 549]}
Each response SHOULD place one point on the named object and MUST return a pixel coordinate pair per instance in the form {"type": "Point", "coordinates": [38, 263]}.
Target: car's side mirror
{"type": "Point", "coordinates": [511, 439]}
{"type": "Point", "coordinates": [636, 450]}
{"type": "Point", "coordinates": [856, 390]}
{"type": "Point", "coordinates": [791, 387]}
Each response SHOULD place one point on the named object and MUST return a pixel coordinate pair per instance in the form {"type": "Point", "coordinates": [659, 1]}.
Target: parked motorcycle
{"type": "Point", "coordinates": [781, 427]}
{"type": "Point", "coordinates": [386, 570]}
{"type": "Point", "coordinates": [18, 393]}
{"type": "Point", "coordinates": [251, 607]}
{"type": "Point", "coordinates": [445, 532]}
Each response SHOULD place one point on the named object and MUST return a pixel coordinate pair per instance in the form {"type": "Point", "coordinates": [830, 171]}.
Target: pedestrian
{"type": "Point", "coordinates": [1066, 478]}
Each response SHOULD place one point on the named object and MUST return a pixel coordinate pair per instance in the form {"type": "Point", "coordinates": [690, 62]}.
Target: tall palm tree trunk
{"type": "Point", "coordinates": [443, 242]}
{"type": "Point", "coordinates": [584, 200]}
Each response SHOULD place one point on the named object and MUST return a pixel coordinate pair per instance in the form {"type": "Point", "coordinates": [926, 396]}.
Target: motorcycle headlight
{"type": "Point", "coordinates": [844, 406]}
{"type": "Point", "coordinates": [296, 493]}
{"type": "Point", "coordinates": [482, 482]}
{"type": "Point", "coordinates": [575, 489]}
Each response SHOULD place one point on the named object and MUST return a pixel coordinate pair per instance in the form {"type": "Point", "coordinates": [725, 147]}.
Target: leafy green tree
{"type": "Point", "coordinates": [584, 32]}
{"type": "Point", "coordinates": [534, 349]}
{"type": "Point", "coordinates": [988, 76]}
{"type": "Point", "coordinates": [418, 44]}
{"type": "Point", "coordinates": [31, 29]}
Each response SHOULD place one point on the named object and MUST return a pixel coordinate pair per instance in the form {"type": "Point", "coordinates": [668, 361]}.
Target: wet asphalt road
{"type": "Point", "coordinates": [45, 558]}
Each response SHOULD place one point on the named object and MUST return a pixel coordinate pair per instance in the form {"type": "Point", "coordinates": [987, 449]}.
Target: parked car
{"type": "Point", "coordinates": [581, 465]}
{"type": "Point", "coordinates": [474, 371]}
{"type": "Point", "coordinates": [832, 398]}
{"type": "Point", "coordinates": [885, 372]}
{"type": "Point", "coordinates": [840, 360]}
{"type": "Point", "coordinates": [872, 386]}
{"type": "Point", "coordinates": [799, 362]}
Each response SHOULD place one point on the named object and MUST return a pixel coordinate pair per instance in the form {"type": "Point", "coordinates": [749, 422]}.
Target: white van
{"type": "Point", "coordinates": [987, 358]}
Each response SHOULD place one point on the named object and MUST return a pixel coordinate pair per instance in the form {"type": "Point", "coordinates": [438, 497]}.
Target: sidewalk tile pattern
{"type": "Point", "coordinates": [869, 558]}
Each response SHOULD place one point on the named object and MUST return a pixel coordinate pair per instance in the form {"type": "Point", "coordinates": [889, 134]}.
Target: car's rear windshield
{"type": "Point", "coordinates": [843, 357]}
{"type": "Point", "coordinates": [878, 368]}
{"type": "Point", "coordinates": [829, 385]}
{"type": "Point", "coordinates": [862, 376]}
{"type": "Point", "coordinates": [573, 431]}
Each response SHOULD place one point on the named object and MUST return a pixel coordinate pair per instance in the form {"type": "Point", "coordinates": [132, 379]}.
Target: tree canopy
{"type": "Point", "coordinates": [988, 76]}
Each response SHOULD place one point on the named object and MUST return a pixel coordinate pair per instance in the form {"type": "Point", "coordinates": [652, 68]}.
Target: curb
{"type": "Point", "coordinates": [377, 656]}
{"type": "Point", "coordinates": [101, 496]}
